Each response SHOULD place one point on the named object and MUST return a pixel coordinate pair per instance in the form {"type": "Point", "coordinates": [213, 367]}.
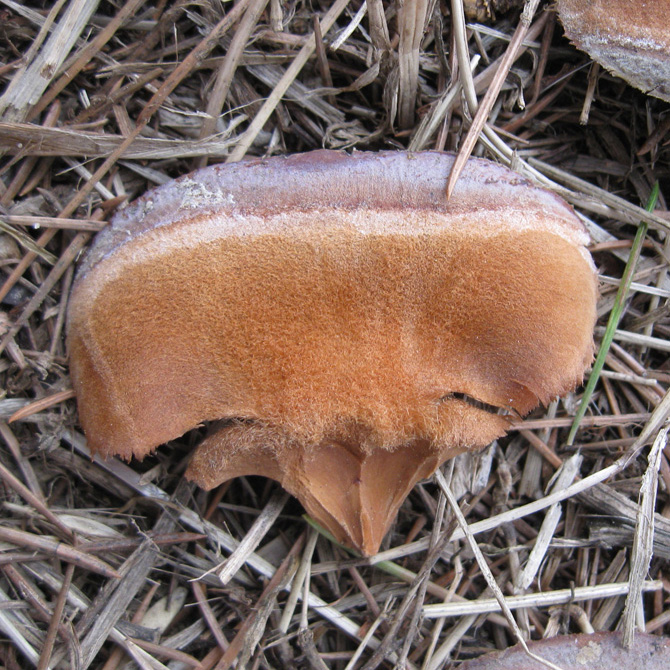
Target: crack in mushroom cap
{"type": "Point", "coordinates": [357, 327]}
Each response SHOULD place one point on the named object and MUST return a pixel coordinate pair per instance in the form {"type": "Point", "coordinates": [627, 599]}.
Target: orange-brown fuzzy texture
{"type": "Point", "coordinates": [342, 311]}
{"type": "Point", "coordinates": [629, 38]}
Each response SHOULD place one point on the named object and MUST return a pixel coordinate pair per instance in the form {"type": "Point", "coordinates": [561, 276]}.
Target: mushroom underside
{"type": "Point", "coordinates": [353, 492]}
{"type": "Point", "coordinates": [630, 39]}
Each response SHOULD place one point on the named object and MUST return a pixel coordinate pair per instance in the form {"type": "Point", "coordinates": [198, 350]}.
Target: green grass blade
{"type": "Point", "coordinates": [615, 315]}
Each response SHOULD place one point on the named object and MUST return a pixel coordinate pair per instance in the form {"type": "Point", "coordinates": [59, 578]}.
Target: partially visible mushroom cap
{"type": "Point", "coordinates": [630, 39]}
{"type": "Point", "coordinates": [603, 650]}
{"type": "Point", "coordinates": [350, 327]}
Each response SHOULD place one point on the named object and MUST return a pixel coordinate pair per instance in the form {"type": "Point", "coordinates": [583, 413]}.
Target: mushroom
{"type": "Point", "coordinates": [602, 650]}
{"type": "Point", "coordinates": [630, 39]}
{"type": "Point", "coordinates": [347, 327]}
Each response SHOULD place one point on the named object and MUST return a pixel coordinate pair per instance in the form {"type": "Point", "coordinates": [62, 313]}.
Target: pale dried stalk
{"type": "Point", "coordinates": [564, 477]}
{"type": "Point", "coordinates": [253, 538]}
{"type": "Point", "coordinates": [491, 95]}
{"type": "Point", "coordinates": [225, 75]}
{"type": "Point", "coordinates": [630, 379]}
{"type": "Point", "coordinates": [434, 656]}
{"type": "Point", "coordinates": [298, 581]}
{"type": "Point", "coordinates": [368, 636]}
{"type": "Point", "coordinates": [351, 26]}
{"type": "Point", "coordinates": [379, 30]}
{"type": "Point", "coordinates": [597, 199]}
{"type": "Point", "coordinates": [8, 625]}
{"type": "Point", "coordinates": [656, 291]}
{"type": "Point", "coordinates": [54, 222]}
{"type": "Point", "coordinates": [411, 20]}
{"type": "Point", "coordinates": [194, 521]}
{"type": "Point", "coordinates": [85, 56]}
{"type": "Point", "coordinates": [658, 343]}
{"type": "Point", "coordinates": [29, 83]}
{"type": "Point", "coordinates": [25, 241]}
{"type": "Point", "coordinates": [486, 571]}
{"type": "Point", "coordinates": [41, 141]}
{"type": "Point", "coordinates": [431, 122]}
{"type": "Point", "coordinates": [643, 545]}
{"type": "Point", "coordinates": [250, 134]}
{"type": "Point", "coordinates": [271, 75]}
{"type": "Point", "coordinates": [588, 421]}
{"type": "Point", "coordinates": [558, 597]}
{"type": "Point", "coordinates": [452, 638]}
{"type": "Point", "coordinates": [532, 471]}
{"type": "Point", "coordinates": [490, 138]}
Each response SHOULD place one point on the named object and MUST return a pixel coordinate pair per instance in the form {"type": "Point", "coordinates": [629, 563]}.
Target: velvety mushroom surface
{"type": "Point", "coordinates": [350, 328]}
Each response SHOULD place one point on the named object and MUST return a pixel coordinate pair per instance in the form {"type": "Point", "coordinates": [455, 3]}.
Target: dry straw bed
{"type": "Point", "coordinates": [555, 528]}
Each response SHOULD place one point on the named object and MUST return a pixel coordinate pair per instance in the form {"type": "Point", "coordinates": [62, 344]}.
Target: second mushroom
{"type": "Point", "coordinates": [346, 327]}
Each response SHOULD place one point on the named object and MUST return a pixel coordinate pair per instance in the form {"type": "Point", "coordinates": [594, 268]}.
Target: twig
{"type": "Point", "coordinates": [277, 94]}
{"type": "Point", "coordinates": [486, 571]}
{"type": "Point", "coordinates": [296, 587]}
{"type": "Point", "coordinates": [39, 504]}
{"type": "Point", "coordinates": [47, 650]}
{"type": "Point", "coordinates": [84, 57]}
{"type": "Point", "coordinates": [28, 84]}
{"type": "Point", "coordinates": [209, 616]}
{"type": "Point", "coordinates": [558, 597]}
{"type": "Point", "coordinates": [55, 548]}
{"type": "Point", "coordinates": [270, 591]}
{"type": "Point", "coordinates": [491, 95]}
{"type": "Point", "coordinates": [195, 522]}
{"type": "Point", "coordinates": [411, 19]}
{"type": "Point", "coordinates": [564, 478]}
{"type": "Point", "coordinates": [255, 535]}
{"type": "Point", "coordinates": [42, 404]}
{"type": "Point", "coordinates": [225, 75]}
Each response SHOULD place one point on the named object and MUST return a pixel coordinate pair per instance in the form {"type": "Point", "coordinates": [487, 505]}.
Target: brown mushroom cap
{"type": "Point", "coordinates": [631, 39]}
{"type": "Point", "coordinates": [352, 327]}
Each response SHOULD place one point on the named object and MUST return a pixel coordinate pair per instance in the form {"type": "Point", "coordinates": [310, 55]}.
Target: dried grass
{"type": "Point", "coordinates": [108, 565]}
